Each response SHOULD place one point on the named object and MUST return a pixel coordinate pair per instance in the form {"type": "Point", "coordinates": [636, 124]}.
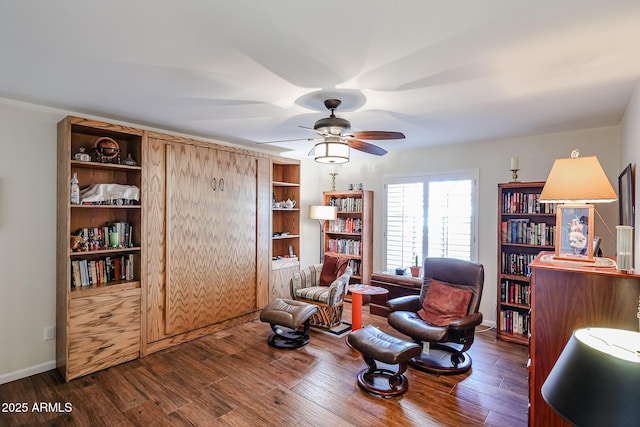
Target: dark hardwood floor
{"type": "Point", "coordinates": [234, 378]}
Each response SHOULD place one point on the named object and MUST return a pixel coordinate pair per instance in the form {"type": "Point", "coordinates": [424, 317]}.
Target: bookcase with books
{"type": "Point", "coordinates": [351, 234]}
{"type": "Point", "coordinates": [99, 245]}
{"type": "Point", "coordinates": [525, 227]}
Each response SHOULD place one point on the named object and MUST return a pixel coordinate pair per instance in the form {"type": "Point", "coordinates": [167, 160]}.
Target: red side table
{"type": "Point", "coordinates": [357, 290]}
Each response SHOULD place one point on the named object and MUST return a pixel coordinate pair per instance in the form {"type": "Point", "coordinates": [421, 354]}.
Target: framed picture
{"type": "Point", "coordinates": [574, 232]}
{"type": "Point", "coordinates": [626, 193]}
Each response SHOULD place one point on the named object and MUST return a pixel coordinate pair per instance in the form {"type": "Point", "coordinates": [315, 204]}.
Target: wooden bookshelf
{"type": "Point", "coordinates": [525, 227]}
{"type": "Point", "coordinates": [98, 322]}
{"type": "Point", "coordinates": [351, 234]}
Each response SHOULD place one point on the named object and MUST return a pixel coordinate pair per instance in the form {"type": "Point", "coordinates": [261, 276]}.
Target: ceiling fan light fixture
{"type": "Point", "coordinates": [332, 125]}
{"type": "Point", "coordinates": [331, 150]}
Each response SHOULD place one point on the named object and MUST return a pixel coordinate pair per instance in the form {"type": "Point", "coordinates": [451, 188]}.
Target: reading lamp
{"type": "Point", "coordinates": [576, 183]}
{"type": "Point", "coordinates": [596, 380]}
{"type": "Point", "coordinates": [322, 214]}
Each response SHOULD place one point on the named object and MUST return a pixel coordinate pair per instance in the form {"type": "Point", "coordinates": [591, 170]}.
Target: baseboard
{"type": "Point", "coordinates": [489, 323]}
{"type": "Point", "coordinates": [27, 372]}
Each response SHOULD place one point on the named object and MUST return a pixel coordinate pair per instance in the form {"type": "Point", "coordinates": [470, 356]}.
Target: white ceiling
{"type": "Point", "coordinates": [246, 71]}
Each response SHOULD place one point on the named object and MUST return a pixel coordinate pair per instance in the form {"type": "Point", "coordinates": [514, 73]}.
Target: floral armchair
{"type": "Point", "coordinates": [305, 286]}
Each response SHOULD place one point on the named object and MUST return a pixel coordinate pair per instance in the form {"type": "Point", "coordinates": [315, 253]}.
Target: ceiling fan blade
{"type": "Point", "coordinates": [375, 135]}
{"type": "Point", "coordinates": [356, 144]}
{"type": "Point", "coordinates": [316, 131]}
{"type": "Point", "coordinates": [287, 140]}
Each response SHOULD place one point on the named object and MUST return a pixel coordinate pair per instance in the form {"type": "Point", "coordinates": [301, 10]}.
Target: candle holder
{"type": "Point", "coordinates": [514, 175]}
{"type": "Point", "coordinates": [333, 181]}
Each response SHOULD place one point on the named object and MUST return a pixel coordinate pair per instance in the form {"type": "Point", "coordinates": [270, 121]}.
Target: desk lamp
{"type": "Point", "coordinates": [574, 184]}
{"type": "Point", "coordinates": [596, 380]}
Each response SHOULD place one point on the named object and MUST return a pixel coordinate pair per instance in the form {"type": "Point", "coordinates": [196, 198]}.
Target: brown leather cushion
{"type": "Point", "coordinates": [332, 268]}
{"type": "Point", "coordinates": [443, 304]}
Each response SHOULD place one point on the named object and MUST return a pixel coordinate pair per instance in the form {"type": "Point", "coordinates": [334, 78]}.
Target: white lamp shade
{"type": "Point", "coordinates": [323, 212]}
{"type": "Point", "coordinates": [331, 150]}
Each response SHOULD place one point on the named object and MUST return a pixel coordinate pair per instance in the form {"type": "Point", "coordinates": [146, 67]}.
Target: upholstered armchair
{"type": "Point", "coordinates": [306, 286]}
{"type": "Point", "coordinates": [444, 315]}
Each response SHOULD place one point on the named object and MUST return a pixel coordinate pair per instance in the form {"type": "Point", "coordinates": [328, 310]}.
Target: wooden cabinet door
{"type": "Point", "coordinates": [211, 236]}
{"type": "Point", "coordinates": [235, 244]}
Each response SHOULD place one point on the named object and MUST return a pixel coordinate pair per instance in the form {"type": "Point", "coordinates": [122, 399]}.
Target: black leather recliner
{"type": "Point", "coordinates": [456, 337]}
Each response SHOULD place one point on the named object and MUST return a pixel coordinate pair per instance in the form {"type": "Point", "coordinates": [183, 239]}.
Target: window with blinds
{"type": "Point", "coordinates": [432, 215]}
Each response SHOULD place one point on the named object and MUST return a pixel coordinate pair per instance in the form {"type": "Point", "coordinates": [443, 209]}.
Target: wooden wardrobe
{"type": "Point", "coordinates": [208, 238]}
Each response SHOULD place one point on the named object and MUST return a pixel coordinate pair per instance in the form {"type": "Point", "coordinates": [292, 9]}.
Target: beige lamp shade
{"type": "Point", "coordinates": [577, 180]}
{"type": "Point", "coordinates": [323, 212]}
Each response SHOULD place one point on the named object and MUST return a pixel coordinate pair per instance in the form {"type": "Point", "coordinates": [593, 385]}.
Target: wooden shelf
{"type": "Point", "coordinates": [290, 236]}
{"type": "Point", "coordinates": [516, 338]}
{"type": "Point", "coordinates": [98, 165]}
{"type": "Point", "coordinates": [113, 286]}
{"type": "Point", "coordinates": [104, 252]}
{"type": "Point", "coordinates": [105, 206]}
{"type": "Point", "coordinates": [285, 184]}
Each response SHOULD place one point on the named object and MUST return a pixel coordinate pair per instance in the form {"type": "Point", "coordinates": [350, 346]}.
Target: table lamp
{"type": "Point", "coordinates": [322, 214]}
{"type": "Point", "coordinates": [596, 380]}
{"type": "Point", "coordinates": [575, 184]}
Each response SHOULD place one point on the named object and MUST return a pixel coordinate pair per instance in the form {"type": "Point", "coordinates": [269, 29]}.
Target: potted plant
{"type": "Point", "coordinates": [415, 268]}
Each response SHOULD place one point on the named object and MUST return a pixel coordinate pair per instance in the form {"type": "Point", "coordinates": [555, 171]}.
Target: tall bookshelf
{"type": "Point", "coordinates": [99, 288]}
{"type": "Point", "coordinates": [351, 234]}
{"type": "Point", "coordinates": [525, 227]}
{"type": "Point", "coordinates": [285, 226]}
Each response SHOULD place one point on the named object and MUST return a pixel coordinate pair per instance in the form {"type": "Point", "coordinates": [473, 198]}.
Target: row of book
{"type": "Point", "coordinates": [345, 246]}
{"type": "Point", "coordinates": [516, 263]}
{"type": "Point", "coordinates": [514, 292]}
{"type": "Point", "coordinates": [355, 265]}
{"type": "Point", "coordinates": [528, 203]}
{"type": "Point", "coordinates": [526, 232]}
{"type": "Point", "coordinates": [515, 322]}
{"type": "Point", "coordinates": [346, 225]}
{"type": "Point", "coordinates": [100, 271]}
{"type": "Point", "coordinates": [114, 235]}
{"type": "Point", "coordinates": [347, 204]}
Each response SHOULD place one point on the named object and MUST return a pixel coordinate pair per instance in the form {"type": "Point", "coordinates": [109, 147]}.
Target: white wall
{"type": "Point", "coordinates": [630, 153]}
{"type": "Point", "coordinates": [492, 158]}
{"type": "Point", "coordinates": [27, 237]}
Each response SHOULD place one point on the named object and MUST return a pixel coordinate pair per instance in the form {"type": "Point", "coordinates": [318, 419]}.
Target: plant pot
{"type": "Point", "coordinates": [415, 271]}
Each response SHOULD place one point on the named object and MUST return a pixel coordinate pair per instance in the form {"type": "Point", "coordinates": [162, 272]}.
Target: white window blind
{"type": "Point", "coordinates": [449, 213]}
{"type": "Point", "coordinates": [405, 219]}
{"type": "Point", "coordinates": [430, 215]}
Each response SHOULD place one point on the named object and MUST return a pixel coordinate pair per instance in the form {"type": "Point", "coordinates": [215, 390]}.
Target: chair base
{"type": "Point", "coordinates": [327, 317]}
{"type": "Point", "coordinates": [382, 382]}
{"type": "Point", "coordinates": [286, 338]}
{"type": "Point", "coordinates": [442, 360]}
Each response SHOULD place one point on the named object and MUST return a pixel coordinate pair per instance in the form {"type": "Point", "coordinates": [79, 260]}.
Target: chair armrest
{"type": "Point", "coordinates": [468, 322]}
{"type": "Point", "coordinates": [338, 288]}
{"type": "Point", "coordinates": [406, 303]}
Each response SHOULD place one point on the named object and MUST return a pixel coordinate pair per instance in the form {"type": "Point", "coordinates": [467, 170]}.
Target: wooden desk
{"type": "Point", "coordinates": [397, 286]}
{"type": "Point", "coordinates": [565, 298]}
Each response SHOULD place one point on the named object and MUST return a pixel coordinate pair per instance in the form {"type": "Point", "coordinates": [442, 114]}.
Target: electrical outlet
{"type": "Point", "coordinates": [49, 333]}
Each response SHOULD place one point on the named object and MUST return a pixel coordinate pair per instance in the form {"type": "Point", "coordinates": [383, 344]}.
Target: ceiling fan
{"type": "Point", "coordinates": [335, 130]}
